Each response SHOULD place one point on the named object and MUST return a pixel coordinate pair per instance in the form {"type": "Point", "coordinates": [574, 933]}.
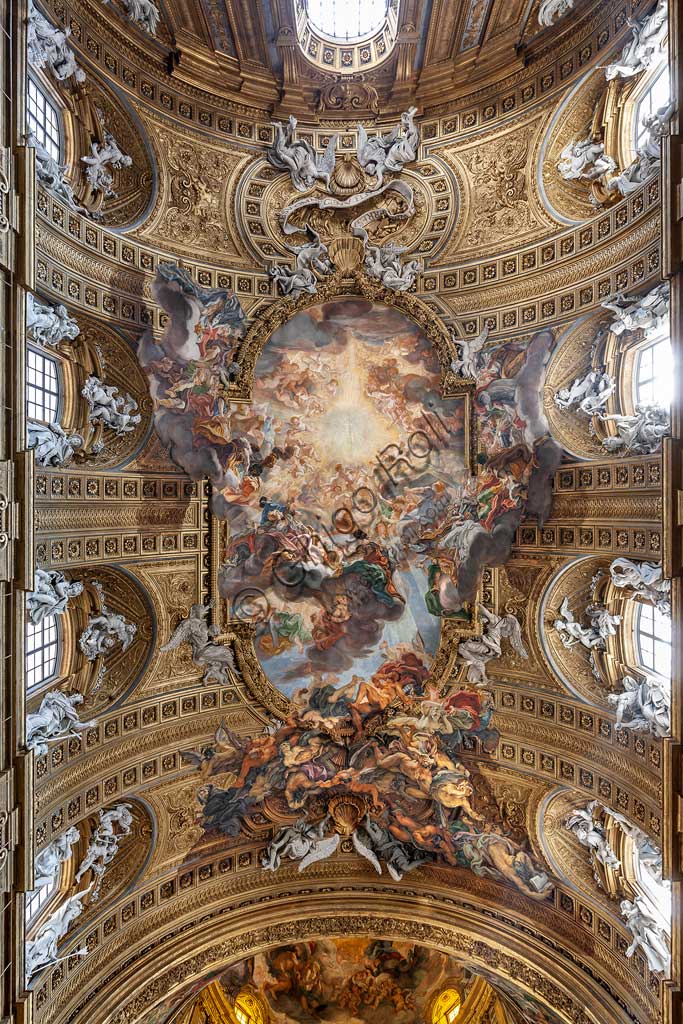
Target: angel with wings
{"type": "Point", "coordinates": [217, 659]}
{"type": "Point", "coordinates": [466, 363]}
{"type": "Point", "coordinates": [299, 157]}
{"type": "Point", "coordinates": [380, 153]}
{"type": "Point", "coordinates": [480, 649]}
{"type": "Point", "coordinates": [303, 842]}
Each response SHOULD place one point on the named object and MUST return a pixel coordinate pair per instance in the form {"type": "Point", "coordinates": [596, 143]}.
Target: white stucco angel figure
{"type": "Point", "coordinates": [398, 857]}
{"type": "Point", "coordinates": [48, 862]}
{"type": "Point", "coordinates": [51, 444]}
{"type": "Point", "coordinates": [47, 47]}
{"type": "Point", "coordinates": [644, 705]}
{"type": "Point", "coordinates": [640, 434]}
{"type": "Point", "coordinates": [480, 649]}
{"type": "Point", "coordinates": [633, 177]}
{"type": "Point", "coordinates": [48, 325]}
{"type": "Point", "coordinates": [110, 408]}
{"type": "Point", "coordinates": [103, 160]}
{"type": "Point", "coordinates": [592, 835]}
{"type": "Point", "coordinates": [104, 631]}
{"type": "Point", "coordinates": [584, 160]}
{"type": "Point", "coordinates": [646, 934]}
{"type": "Point", "coordinates": [51, 594]}
{"type": "Point", "coordinates": [104, 844]}
{"type": "Point", "coordinates": [143, 13]}
{"type": "Point", "coordinates": [588, 394]}
{"type": "Point", "coordinates": [645, 579]}
{"type": "Point", "coordinates": [553, 10]}
{"type": "Point", "coordinates": [299, 157]}
{"type": "Point", "coordinates": [216, 659]}
{"type": "Point", "coordinates": [42, 950]}
{"type": "Point", "coordinates": [640, 312]}
{"type": "Point", "coordinates": [310, 258]}
{"type": "Point", "coordinates": [601, 625]}
{"type": "Point", "coordinates": [649, 855]}
{"type": "Point", "coordinates": [466, 363]}
{"type": "Point", "coordinates": [303, 842]}
{"type": "Point", "coordinates": [377, 154]}
{"type": "Point", "coordinates": [51, 174]}
{"type": "Point", "coordinates": [383, 262]}
{"type": "Point", "coordinates": [657, 125]}
{"type": "Point", "coordinates": [55, 719]}
{"type": "Point", "coordinates": [644, 46]}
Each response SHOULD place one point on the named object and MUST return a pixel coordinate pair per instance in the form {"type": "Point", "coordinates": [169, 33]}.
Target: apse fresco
{"type": "Point", "coordinates": [354, 529]}
{"type": "Point", "coordinates": [364, 981]}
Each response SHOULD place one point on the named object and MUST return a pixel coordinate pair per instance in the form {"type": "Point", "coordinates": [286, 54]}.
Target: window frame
{"type": "Point", "coordinates": [649, 610]}
{"type": "Point", "coordinates": [644, 93]}
{"type": "Point", "coordinates": [51, 104]}
{"type": "Point", "coordinates": [55, 641]}
{"type": "Point", "coordinates": [39, 389]}
{"type": "Point", "coordinates": [355, 37]}
{"type": "Point", "coordinates": [654, 338]}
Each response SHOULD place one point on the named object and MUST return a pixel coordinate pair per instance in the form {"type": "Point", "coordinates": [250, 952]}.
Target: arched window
{"type": "Point", "coordinates": [653, 636]}
{"type": "Point", "coordinates": [654, 369]}
{"type": "Point", "coordinates": [656, 95]}
{"type": "Point", "coordinates": [36, 900]}
{"type": "Point", "coordinates": [42, 386]}
{"type": "Point", "coordinates": [446, 1006]}
{"type": "Point", "coordinates": [42, 118]}
{"type": "Point", "coordinates": [347, 19]}
{"type": "Point", "coordinates": [42, 650]}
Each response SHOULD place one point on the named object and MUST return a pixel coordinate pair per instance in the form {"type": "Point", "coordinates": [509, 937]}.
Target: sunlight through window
{"type": "Point", "coordinates": [654, 640]}
{"type": "Point", "coordinates": [654, 370]}
{"type": "Point", "coordinates": [347, 19]}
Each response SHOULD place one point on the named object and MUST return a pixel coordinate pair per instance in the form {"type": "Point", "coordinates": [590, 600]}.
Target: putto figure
{"type": "Point", "coordinates": [645, 579]}
{"type": "Point", "coordinates": [466, 363]}
{"type": "Point", "coordinates": [640, 434]}
{"type": "Point", "coordinates": [113, 410]}
{"type": "Point", "coordinates": [42, 951]}
{"type": "Point", "coordinates": [50, 595]}
{"type": "Point", "coordinates": [299, 157]}
{"type": "Point", "coordinates": [47, 47]}
{"type": "Point", "coordinates": [104, 844]}
{"type": "Point", "coordinates": [378, 154]}
{"type": "Point", "coordinates": [217, 659]}
{"type": "Point", "coordinates": [647, 934]}
{"type": "Point", "coordinates": [601, 625]}
{"type": "Point", "coordinates": [481, 649]}
{"type": "Point", "coordinates": [588, 395]}
{"type": "Point", "coordinates": [584, 160]}
{"type": "Point", "coordinates": [383, 263]}
{"type": "Point", "coordinates": [55, 719]}
{"type": "Point", "coordinates": [592, 835]}
{"type": "Point", "coordinates": [48, 325]}
{"type": "Point", "coordinates": [48, 863]}
{"type": "Point", "coordinates": [641, 313]}
{"type": "Point", "coordinates": [103, 632]}
{"type": "Point", "coordinates": [310, 258]}
{"type": "Point", "coordinates": [645, 44]}
{"type": "Point", "coordinates": [51, 444]}
{"type": "Point", "coordinates": [102, 161]}
{"type": "Point", "coordinates": [644, 705]}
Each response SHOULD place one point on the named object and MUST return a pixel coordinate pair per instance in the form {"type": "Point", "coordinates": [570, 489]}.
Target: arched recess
{"type": "Point", "coordinates": [591, 675]}
{"type": "Point", "coordinates": [106, 679]}
{"type": "Point", "coordinates": [100, 351]}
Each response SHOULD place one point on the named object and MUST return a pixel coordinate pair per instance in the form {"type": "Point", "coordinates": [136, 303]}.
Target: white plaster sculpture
{"type": "Point", "coordinates": [633, 177]}
{"type": "Point", "coordinates": [480, 649]}
{"type": "Point", "coordinates": [645, 579]}
{"type": "Point", "coordinates": [217, 659]}
{"type": "Point", "coordinates": [143, 13]}
{"type": "Point", "coordinates": [113, 410]}
{"type": "Point", "coordinates": [657, 125]}
{"type": "Point", "coordinates": [48, 325]}
{"type": "Point", "coordinates": [303, 842]}
{"type": "Point", "coordinates": [55, 719]}
{"type": "Point", "coordinates": [644, 46]}
{"type": "Point", "coordinates": [649, 855]}
{"type": "Point", "coordinates": [377, 154]}
{"type": "Point", "coordinates": [640, 313]}
{"type": "Point", "coordinates": [51, 594]}
{"type": "Point", "coordinates": [588, 394]}
{"type": "Point", "coordinates": [50, 174]}
{"type": "Point", "coordinates": [103, 160]}
{"type": "Point", "coordinates": [104, 844]}
{"type": "Point", "coordinates": [383, 263]}
{"type": "Point", "coordinates": [592, 835]}
{"type": "Point", "coordinates": [584, 160]}
{"type": "Point", "coordinates": [466, 363]}
{"type": "Point", "coordinates": [299, 157]}
{"type": "Point", "coordinates": [310, 257]}
{"type": "Point", "coordinates": [601, 625]}
{"type": "Point", "coordinates": [398, 857]}
{"type": "Point", "coordinates": [553, 10]}
{"type": "Point", "coordinates": [646, 934]}
{"type": "Point", "coordinates": [48, 863]}
{"type": "Point", "coordinates": [640, 434]}
{"type": "Point", "coordinates": [47, 47]}
{"type": "Point", "coordinates": [51, 444]}
{"type": "Point", "coordinates": [103, 632]}
{"type": "Point", "coordinates": [644, 705]}
{"type": "Point", "coordinates": [42, 951]}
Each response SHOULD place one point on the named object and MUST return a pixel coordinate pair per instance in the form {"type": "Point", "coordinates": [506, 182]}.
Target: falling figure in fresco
{"type": "Point", "coordinates": [303, 842]}
{"type": "Point", "coordinates": [217, 659]}
{"type": "Point", "coordinates": [299, 157]}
